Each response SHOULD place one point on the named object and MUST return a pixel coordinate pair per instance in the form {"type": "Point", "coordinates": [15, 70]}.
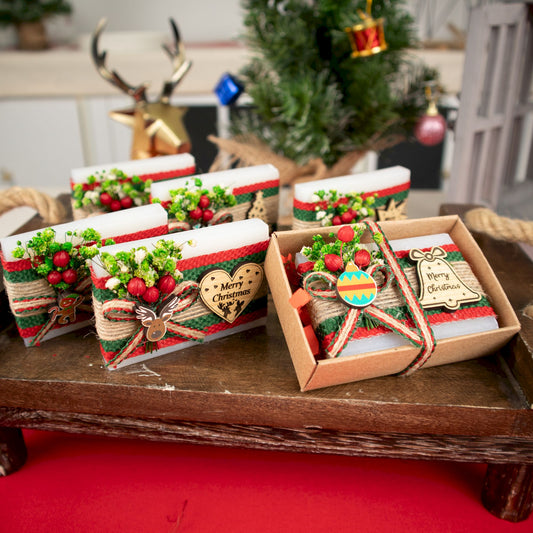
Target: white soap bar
{"type": "Point", "coordinates": [109, 225]}
{"type": "Point", "coordinates": [138, 167]}
{"type": "Point", "coordinates": [364, 182]}
{"type": "Point", "coordinates": [233, 178]}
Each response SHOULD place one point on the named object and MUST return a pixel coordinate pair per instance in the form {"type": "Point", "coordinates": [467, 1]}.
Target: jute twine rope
{"type": "Point", "coordinates": [244, 151]}
{"type": "Point", "coordinates": [51, 210]}
{"type": "Point", "coordinates": [484, 220]}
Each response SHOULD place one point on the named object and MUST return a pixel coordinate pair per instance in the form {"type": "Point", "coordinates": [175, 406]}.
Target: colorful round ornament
{"type": "Point", "coordinates": [355, 287]}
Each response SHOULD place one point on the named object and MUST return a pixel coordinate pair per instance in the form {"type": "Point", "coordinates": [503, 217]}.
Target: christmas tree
{"type": "Point", "coordinates": [311, 98]}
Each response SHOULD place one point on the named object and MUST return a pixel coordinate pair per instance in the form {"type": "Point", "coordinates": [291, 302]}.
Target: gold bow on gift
{"type": "Point", "coordinates": [153, 326]}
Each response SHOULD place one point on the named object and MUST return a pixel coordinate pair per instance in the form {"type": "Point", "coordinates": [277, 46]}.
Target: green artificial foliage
{"type": "Point", "coordinates": [17, 11]}
{"type": "Point", "coordinates": [311, 98]}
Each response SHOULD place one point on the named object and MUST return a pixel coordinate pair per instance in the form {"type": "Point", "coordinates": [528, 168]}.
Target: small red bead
{"type": "Point", "coordinates": [115, 205]}
{"type": "Point", "coordinates": [105, 198]}
{"type": "Point", "coordinates": [151, 295]}
{"type": "Point", "coordinates": [70, 276]}
{"type": "Point", "coordinates": [362, 258]}
{"type": "Point", "coordinates": [136, 286]}
{"type": "Point", "coordinates": [207, 215]}
{"type": "Point", "coordinates": [126, 202]}
{"type": "Point", "coordinates": [166, 284]}
{"type": "Point", "coordinates": [54, 277]}
{"type": "Point", "coordinates": [196, 213]}
{"type": "Point", "coordinates": [346, 217]}
{"type": "Point", "coordinates": [336, 221]}
{"type": "Point", "coordinates": [346, 234]}
{"type": "Point", "coordinates": [204, 201]}
{"type": "Point", "coordinates": [333, 262]}
{"type": "Point", "coordinates": [61, 259]}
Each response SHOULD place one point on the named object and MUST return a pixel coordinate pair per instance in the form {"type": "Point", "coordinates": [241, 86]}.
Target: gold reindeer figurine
{"type": "Point", "coordinates": [158, 127]}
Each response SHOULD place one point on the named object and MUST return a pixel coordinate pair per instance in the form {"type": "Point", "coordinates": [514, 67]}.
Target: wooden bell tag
{"type": "Point", "coordinates": [227, 295]}
{"type": "Point", "coordinates": [440, 286]}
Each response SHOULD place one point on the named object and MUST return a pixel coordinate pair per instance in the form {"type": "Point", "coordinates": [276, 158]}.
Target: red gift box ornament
{"type": "Point", "coordinates": [367, 38]}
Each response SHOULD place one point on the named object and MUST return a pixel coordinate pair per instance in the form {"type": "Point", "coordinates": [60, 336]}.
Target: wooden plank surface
{"type": "Point", "coordinates": [248, 380]}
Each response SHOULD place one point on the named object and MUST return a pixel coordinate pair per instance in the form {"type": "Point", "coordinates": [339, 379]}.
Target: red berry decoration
{"type": "Point", "coordinates": [151, 295]}
{"type": "Point", "coordinates": [136, 286]}
{"type": "Point", "coordinates": [336, 220]}
{"type": "Point", "coordinates": [61, 259]}
{"type": "Point", "coordinates": [302, 268]}
{"type": "Point", "coordinates": [333, 262]}
{"type": "Point", "coordinates": [54, 277]}
{"type": "Point", "coordinates": [346, 217]}
{"type": "Point", "coordinates": [346, 234]}
{"type": "Point", "coordinates": [362, 258]}
{"type": "Point", "coordinates": [196, 213]}
{"type": "Point", "coordinates": [166, 284]}
{"type": "Point", "coordinates": [207, 215]}
{"type": "Point", "coordinates": [70, 276]}
{"type": "Point", "coordinates": [204, 201]}
{"type": "Point", "coordinates": [115, 205]}
{"type": "Point", "coordinates": [126, 202]}
{"type": "Point", "coordinates": [105, 198]}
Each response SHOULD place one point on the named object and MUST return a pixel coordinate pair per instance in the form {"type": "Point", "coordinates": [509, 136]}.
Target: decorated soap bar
{"type": "Point", "coordinates": [409, 291]}
{"type": "Point", "coordinates": [45, 273]}
{"type": "Point", "coordinates": [378, 195]}
{"type": "Point", "coordinates": [218, 197]}
{"type": "Point", "coordinates": [113, 187]}
{"type": "Point", "coordinates": [160, 295]}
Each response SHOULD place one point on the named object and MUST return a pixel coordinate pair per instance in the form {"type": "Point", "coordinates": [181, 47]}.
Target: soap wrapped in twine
{"type": "Point", "coordinates": [50, 209]}
{"type": "Point", "coordinates": [484, 220]}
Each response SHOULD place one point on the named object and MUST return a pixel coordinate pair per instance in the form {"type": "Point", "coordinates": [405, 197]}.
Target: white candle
{"type": "Point", "coordinates": [357, 183]}
{"type": "Point", "coordinates": [233, 178]}
{"type": "Point", "coordinates": [138, 167]}
{"type": "Point", "coordinates": [109, 225]}
{"type": "Point", "coordinates": [207, 240]}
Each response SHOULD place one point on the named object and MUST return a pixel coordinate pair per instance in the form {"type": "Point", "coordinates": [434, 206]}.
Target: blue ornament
{"type": "Point", "coordinates": [228, 89]}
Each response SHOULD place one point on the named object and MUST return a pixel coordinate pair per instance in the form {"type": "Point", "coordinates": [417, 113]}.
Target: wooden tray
{"type": "Point", "coordinates": [242, 391]}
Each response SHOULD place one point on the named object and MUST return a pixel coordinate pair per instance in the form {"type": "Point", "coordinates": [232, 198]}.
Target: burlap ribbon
{"type": "Point", "coordinates": [61, 309]}
{"type": "Point", "coordinates": [118, 310]}
{"type": "Point", "coordinates": [421, 336]}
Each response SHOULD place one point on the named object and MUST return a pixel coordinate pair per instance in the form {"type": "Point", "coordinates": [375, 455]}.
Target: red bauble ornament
{"type": "Point", "coordinates": [333, 262]}
{"type": "Point", "coordinates": [115, 205]}
{"type": "Point", "coordinates": [105, 198]}
{"type": "Point", "coordinates": [346, 217]}
{"type": "Point", "coordinates": [166, 284]}
{"type": "Point", "coordinates": [136, 286]}
{"type": "Point", "coordinates": [346, 233]}
{"type": "Point", "coordinates": [196, 213]}
{"type": "Point", "coordinates": [431, 128]}
{"type": "Point", "coordinates": [61, 259]}
{"type": "Point", "coordinates": [70, 276]}
{"type": "Point", "coordinates": [204, 201]}
{"type": "Point", "coordinates": [126, 202]}
{"type": "Point", "coordinates": [336, 220]}
{"type": "Point", "coordinates": [362, 258]}
{"type": "Point", "coordinates": [302, 268]}
{"type": "Point", "coordinates": [151, 295]}
{"type": "Point", "coordinates": [54, 277]}
{"type": "Point", "coordinates": [207, 215]}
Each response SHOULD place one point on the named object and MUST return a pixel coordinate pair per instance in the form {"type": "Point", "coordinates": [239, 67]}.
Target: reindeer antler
{"type": "Point", "coordinates": [145, 315]}
{"type": "Point", "coordinates": [138, 92]}
{"type": "Point", "coordinates": [180, 66]}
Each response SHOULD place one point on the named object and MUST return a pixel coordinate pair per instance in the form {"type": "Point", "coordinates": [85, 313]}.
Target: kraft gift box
{"type": "Point", "coordinates": [380, 195]}
{"type": "Point", "coordinates": [390, 355]}
{"type": "Point", "coordinates": [249, 192]}
{"type": "Point", "coordinates": [33, 299]}
{"type": "Point", "coordinates": [126, 183]}
{"type": "Point", "coordinates": [221, 265]}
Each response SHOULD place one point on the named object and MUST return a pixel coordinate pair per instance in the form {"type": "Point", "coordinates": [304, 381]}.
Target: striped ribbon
{"type": "Point", "coordinates": [421, 336]}
{"type": "Point", "coordinates": [118, 310]}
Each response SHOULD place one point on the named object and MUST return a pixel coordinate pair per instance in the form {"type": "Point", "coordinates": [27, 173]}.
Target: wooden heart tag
{"type": "Point", "coordinates": [227, 295]}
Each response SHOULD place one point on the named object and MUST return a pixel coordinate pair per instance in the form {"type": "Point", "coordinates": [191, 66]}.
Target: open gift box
{"type": "Point", "coordinates": [315, 372]}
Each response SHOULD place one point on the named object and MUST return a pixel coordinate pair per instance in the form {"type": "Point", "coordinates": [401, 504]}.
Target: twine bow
{"type": "Point", "coordinates": [421, 336]}
{"type": "Point", "coordinates": [219, 217]}
{"type": "Point", "coordinates": [118, 310]}
{"type": "Point", "coordinates": [61, 309]}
